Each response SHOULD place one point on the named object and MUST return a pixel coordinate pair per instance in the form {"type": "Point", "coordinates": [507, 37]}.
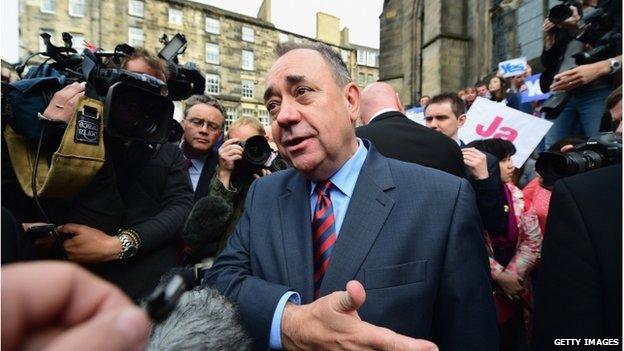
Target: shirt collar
{"type": "Point", "coordinates": [346, 177]}
{"type": "Point", "coordinates": [382, 111]}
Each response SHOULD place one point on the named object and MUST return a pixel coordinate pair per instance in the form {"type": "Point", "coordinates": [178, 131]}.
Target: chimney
{"type": "Point", "coordinates": [327, 28]}
{"type": "Point", "coordinates": [264, 13]}
{"type": "Point", "coordinates": [344, 36]}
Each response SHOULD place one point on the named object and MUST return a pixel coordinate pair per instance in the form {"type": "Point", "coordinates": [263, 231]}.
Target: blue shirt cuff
{"type": "Point", "coordinates": [275, 338]}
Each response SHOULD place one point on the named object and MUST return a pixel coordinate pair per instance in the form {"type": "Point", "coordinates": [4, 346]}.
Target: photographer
{"type": "Point", "coordinates": [230, 182]}
{"type": "Point", "coordinates": [581, 47]}
{"type": "Point", "coordinates": [126, 222]}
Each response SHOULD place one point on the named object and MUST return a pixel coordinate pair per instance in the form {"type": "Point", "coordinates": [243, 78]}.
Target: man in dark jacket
{"type": "Point", "coordinates": [396, 136]}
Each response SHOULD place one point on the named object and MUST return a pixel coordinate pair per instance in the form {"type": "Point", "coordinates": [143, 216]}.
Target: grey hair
{"type": "Point", "coordinates": [204, 99]}
{"type": "Point", "coordinates": [339, 68]}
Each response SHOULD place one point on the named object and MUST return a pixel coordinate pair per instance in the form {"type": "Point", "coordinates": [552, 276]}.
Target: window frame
{"type": "Point", "coordinates": [45, 10]}
{"type": "Point", "coordinates": [210, 82]}
{"type": "Point", "coordinates": [250, 87]}
{"type": "Point", "coordinates": [73, 2]}
{"type": "Point", "coordinates": [218, 53]}
{"type": "Point", "coordinates": [173, 10]}
{"type": "Point", "coordinates": [131, 8]}
{"type": "Point", "coordinates": [247, 67]}
{"type": "Point", "coordinates": [206, 27]}
{"type": "Point", "coordinates": [130, 36]}
{"type": "Point", "coordinates": [250, 36]}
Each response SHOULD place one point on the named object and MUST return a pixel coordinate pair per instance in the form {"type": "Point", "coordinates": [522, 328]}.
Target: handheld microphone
{"type": "Point", "coordinates": [207, 223]}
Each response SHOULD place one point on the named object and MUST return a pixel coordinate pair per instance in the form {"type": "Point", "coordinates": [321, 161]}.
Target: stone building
{"type": "Point", "coordinates": [431, 46]}
{"type": "Point", "coordinates": [234, 51]}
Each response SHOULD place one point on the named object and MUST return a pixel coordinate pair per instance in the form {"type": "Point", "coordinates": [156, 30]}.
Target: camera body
{"type": "Point", "coordinates": [258, 155]}
{"type": "Point", "coordinates": [599, 151]}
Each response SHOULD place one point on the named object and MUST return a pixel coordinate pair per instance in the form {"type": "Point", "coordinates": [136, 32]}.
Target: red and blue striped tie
{"type": "Point", "coordinates": [324, 233]}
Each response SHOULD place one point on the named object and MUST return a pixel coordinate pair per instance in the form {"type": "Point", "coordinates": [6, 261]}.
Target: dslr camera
{"type": "Point", "coordinates": [602, 150]}
{"type": "Point", "coordinates": [258, 155]}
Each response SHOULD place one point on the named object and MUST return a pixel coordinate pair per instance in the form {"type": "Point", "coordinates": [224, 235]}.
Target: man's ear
{"type": "Point", "coordinates": [462, 120]}
{"type": "Point", "coordinates": [398, 103]}
{"type": "Point", "coordinates": [352, 95]}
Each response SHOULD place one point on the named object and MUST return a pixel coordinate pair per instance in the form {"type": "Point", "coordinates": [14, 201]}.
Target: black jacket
{"type": "Point", "coordinates": [157, 201]}
{"type": "Point", "coordinates": [396, 136]}
{"type": "Point", "coordinates": [580, 288]}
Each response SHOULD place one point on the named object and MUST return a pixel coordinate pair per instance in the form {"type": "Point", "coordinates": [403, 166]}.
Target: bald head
{"type": "Point", "coordinates": [376, 97]}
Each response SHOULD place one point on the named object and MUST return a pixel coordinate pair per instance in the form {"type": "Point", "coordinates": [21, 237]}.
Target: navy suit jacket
{"type": "Point", "coordinates": [411, 236]}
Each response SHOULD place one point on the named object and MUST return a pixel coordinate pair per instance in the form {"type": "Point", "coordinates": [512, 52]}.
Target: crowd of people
{"type": "Point", "coordinates": [388, 235]}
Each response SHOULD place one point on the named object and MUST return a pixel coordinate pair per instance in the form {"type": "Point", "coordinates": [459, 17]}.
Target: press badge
{"type": "Point", "coordinates": [87, 126]}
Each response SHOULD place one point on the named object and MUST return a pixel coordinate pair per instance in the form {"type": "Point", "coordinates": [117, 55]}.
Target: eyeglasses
{"type": "Point", "coordinates": [199, 123]}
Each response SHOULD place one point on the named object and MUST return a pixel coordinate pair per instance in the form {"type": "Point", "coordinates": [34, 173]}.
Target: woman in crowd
{"type": "Point", "coordinates": [512, 254]}
{"type": "Point", "coordinates": [499, 91]}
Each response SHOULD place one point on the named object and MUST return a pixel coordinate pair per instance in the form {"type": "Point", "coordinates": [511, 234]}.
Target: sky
{"type": "Point", "coordinates": [297, 16]}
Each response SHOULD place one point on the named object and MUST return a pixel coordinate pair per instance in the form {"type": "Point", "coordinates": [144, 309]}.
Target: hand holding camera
{"type": "Point", "coordinates": [230, 152]}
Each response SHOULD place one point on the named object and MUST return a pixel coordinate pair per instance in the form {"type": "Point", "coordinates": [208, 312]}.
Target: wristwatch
{"type": "Point", "coordinates": [614, 65]}
{"type": "Point", "coordinates": [130, 242]}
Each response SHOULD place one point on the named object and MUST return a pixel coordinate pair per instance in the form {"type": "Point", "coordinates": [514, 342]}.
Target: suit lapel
{"type": "Point", "coordinates": [203, 183]}
{"type": "Point", "coordinates": [294, 207]}
{"type": "Point", "coordinates": [368, 209]}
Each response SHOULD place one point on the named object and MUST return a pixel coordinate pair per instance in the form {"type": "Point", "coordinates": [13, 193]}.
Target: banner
{"type": "Point", "coordinates": [416, 114]}
{"type": "Point", "coordinates": [488, 119]}
{"type": "Point", "coordinates": [533, 91]}
{"type": "Point", "coordinates": [513, 67]}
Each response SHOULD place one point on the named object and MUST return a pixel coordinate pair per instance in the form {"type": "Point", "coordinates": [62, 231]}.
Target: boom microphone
{"type": "Point", "coordinates": [206, 224]}
{"type": "Point", "coordinates": [203, 320]}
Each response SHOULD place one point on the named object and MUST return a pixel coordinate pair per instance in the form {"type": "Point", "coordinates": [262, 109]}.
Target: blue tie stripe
{"type": "Point", "coordinates": [324, 235]}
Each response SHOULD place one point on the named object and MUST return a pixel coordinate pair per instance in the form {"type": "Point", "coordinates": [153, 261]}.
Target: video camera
{"type": "Point", "coordinates": [595, 29]}
{"type": "Point", "coordinates": [258, 155]}
{"type": "Point", "coordinates": [136, 106]}
{"type": "Point", "coordinates": [602, 150]}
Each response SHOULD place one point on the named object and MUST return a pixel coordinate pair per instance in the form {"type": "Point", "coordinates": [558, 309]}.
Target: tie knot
{"type": "Point", "coordinates": [324, 187]}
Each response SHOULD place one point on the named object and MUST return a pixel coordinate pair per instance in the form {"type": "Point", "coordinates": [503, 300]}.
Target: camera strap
{"type": "Point", "coordinates": [78, 158]}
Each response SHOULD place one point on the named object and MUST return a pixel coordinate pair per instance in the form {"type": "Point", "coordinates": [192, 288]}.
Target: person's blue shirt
{"type": "Point", "coordinates": [343, 184]}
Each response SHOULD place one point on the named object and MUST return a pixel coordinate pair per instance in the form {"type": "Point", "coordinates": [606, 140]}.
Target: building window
{"type": "Point", "coordinates": [345, 56]}
{"type": "Point", "coordinates": [77, 8]}
{"type": "Point", "coordinates": [247, 60]}
{"type": "Point", "coordinates": [212, 84]}
{"type": "Point", "coordinates": [48, 6]}
{"type": "Point", "coordinates": [361, 79]}
{"type": "Point", "coordinates": [232, 115]}
{"type": "Point", "coordinates": [248, 34]}
{"type": "Point", "coordinates": [212, 25]}
{"type": "Point", "coordinates": [135, 36]}
{"type": "Point", "coordinates": [247, 88]}
{"type": "Point", "coordinates": [212, 53]}
{"type": "Point", "coordinates": [175, 17]}
{"type": "Point", "coordinates": [370, 79]}
{"type": "Point", "coordinates": [283, 37]}
{"type": "Point", "coordinates": [78, 42]}
{"type": "Point", "coordinates": [370, 58]}
{"type": "Point", "coordinates": [248, 112]}
{"type": "Point", "coordinates": [361, 57]}
{"type": "Point", "coordinates": [42, 47]}
{"type": "Point", "coordinates": [263, 116]}
{"type": "Point", "coordinates": [136, 8]}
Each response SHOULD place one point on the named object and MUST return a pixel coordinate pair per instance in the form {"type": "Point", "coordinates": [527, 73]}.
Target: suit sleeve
{"type": "Point", "coordinates": [232, 275]}
{"type": "Point", "coordinates": [489, 199]}
{"type": "Point", "coordinates": [175, 204]}
{"type": "Point", "coordinates": [464, 308]}
{"type": "Point", "coordinates": [568, 301]}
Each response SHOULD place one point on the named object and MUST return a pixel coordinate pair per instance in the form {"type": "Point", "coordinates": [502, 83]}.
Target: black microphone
{"type": "Point", "coordinates": [206, 224]}
{"type": "Point", "coordinates": [165, 297]}
{"type": "Point", "coordinates": [202, 320]}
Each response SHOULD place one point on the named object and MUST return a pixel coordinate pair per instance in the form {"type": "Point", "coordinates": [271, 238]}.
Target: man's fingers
{"type": "Point", "coordinates": [386, 339]}
{"type": "Point", "coordinates": [125, 329]}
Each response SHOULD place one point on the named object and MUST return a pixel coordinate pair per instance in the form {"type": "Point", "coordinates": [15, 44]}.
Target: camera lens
{"type": "Point", "coordinates": [559, 13]}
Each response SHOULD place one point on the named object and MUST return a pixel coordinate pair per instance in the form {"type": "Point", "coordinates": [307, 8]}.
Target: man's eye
{"type": "Point", "coordinates": [301, 90]}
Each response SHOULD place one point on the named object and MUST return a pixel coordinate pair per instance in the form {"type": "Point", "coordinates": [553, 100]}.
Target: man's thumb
{"type": "Point", "coordinates": [353, 298]}
{"type": "Point", "coordinates": [125, 329]}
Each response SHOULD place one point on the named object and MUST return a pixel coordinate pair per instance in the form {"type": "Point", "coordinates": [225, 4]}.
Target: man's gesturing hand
{"type": "Point", "coordinates": [332, 323]}
{"type": "Point", "coordinates": [60, 306]}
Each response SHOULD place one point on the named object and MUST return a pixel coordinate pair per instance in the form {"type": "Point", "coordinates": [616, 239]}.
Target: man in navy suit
{"type": "Point", "coordinates": [204, 118]}
{"type": "Point", "coordinates": [403, 240]}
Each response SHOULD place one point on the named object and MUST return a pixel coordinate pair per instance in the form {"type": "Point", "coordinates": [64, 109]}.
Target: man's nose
{"type": "Point", "coordinates": [288, 114]}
